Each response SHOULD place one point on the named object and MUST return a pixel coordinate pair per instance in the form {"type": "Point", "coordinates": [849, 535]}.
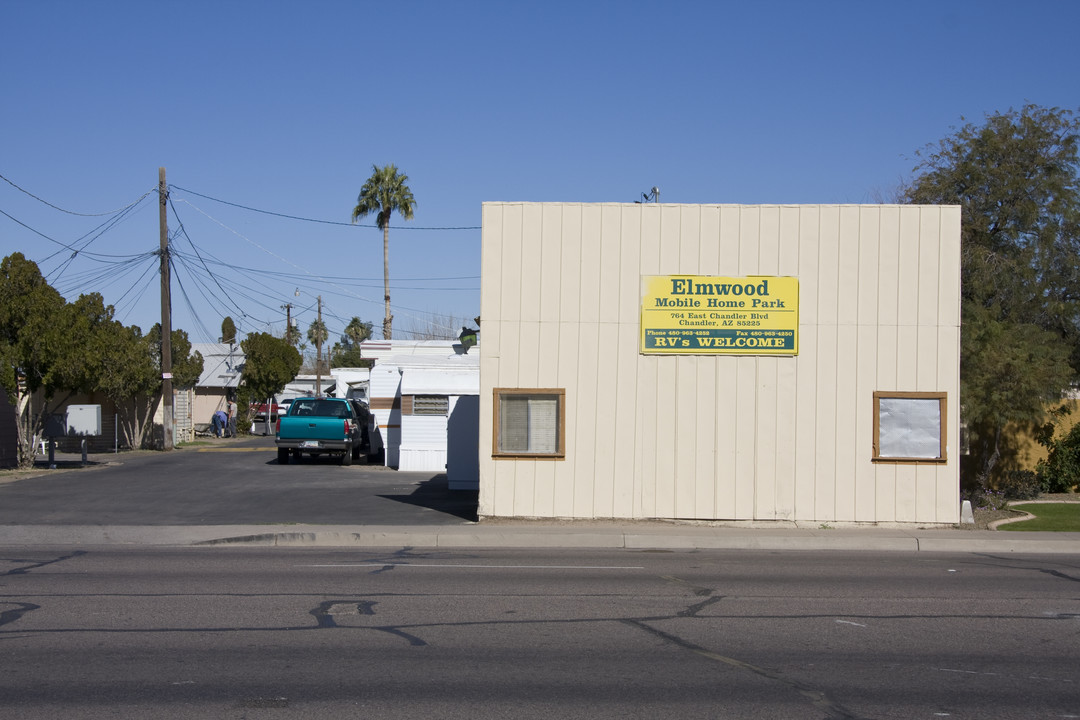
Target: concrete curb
{"type": "Point", "coordinates": [1005, 521]}
{"type": "Point", "coordinates": [544, 536]}
{"type": "Point", "coordinates": [1026, 515]}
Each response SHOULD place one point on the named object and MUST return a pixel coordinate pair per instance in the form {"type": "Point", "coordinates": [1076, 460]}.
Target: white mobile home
{"type": "Point", "coordinates": [349, 383]}
{"type": "Point", "coordinates": [424, 401]}
{"type": "Point", "coordinates": [720, 362]}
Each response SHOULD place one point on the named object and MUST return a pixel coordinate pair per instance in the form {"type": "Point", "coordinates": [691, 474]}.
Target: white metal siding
{"type": "Point", "coordinates": [720, 437]}
{"type": "Point", "coordinates": [423, 443]}
{"type": "Point", "coordinates": [384, 386]}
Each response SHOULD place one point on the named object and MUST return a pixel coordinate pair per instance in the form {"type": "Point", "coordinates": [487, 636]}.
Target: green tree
{"type": "Point", "coordinates": [347, 353]}
{"type": "Point", "coordinates": [39, 359]}
{"type": "Point", "coordinates": [186, 368]}
{"type": "Point", "coordinates": [131, 376]}
{"type": "Point", "coordinates": [357, 331]}
{"type": "Point", "coordinates": [317, 335]}
{"type": "Point", "coordinates": [292, 335]}
{"type": "Point", "coordinates": [1015, 178]}
{"type": "Point", "coordinates": [383, 193]}
{"type": "Point", "coordinates": [131, 380]}
{"type": "Point", "coordinates": [228, 331]}
{"type": "Point", "coordinates": [50, 348]}
{"type": "Point", "coordinates": [270, 363]}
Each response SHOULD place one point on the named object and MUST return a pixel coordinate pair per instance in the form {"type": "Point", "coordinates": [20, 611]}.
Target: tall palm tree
{"type": "Point", "coordinates": [383, 193]}
{"type": "Point", "coordinates": [357, 331]}
{"type": "Point", "coordinates": [317, 335]}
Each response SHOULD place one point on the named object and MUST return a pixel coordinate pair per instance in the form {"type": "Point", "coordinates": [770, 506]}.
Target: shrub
{"type": "Point", "coordinates": [1060, 472]}
{"type": "Point", "coordinates": [986, 499]}
{"type": "Point", "coordinates": [1020, 485]}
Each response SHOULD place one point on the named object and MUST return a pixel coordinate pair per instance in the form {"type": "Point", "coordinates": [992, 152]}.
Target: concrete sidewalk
{"type": "Point", "coordinates": [416, 516]}
{"type": "Point", "coordinates": [527, 534]}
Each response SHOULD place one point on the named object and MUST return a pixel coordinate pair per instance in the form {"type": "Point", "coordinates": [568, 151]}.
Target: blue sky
{"type": "Point", "coordinates": [285, 107]}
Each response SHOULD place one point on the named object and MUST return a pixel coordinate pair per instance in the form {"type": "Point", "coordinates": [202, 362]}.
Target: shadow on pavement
{"type": "Point", "coordinates": [64, 464]}
{"type": "Point", "coordinates": [436, 495]}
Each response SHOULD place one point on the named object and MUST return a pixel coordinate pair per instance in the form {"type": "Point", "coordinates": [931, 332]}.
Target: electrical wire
{"type": "Point", "coordinates": [376, 283]}
{"type": "Point", "coordinates": [72, 212]}
{"type": "Point", "coordinates": [201, 269]}
{"type": "Point", "coordinates": [315, 220]}
{"type": "Point", "coordinates": [123, 311]}
{"type": "Point", "coordinates": [95, 233]}
{"type": "Point", "coordinates": [191, 308]}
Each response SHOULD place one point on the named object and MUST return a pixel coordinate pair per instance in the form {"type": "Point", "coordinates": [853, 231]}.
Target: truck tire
{"type": "Point", "coordinates": [283, 456]}
{"type": "Point", "coordinates": [346, 457]}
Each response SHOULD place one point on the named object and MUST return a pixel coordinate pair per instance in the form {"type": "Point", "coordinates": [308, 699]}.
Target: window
{"type": "Point", "coordinates": [530, 423]}
{"type": "Point", "coordinates": [909, 427]}
{"type": "Point", "coordinates": [430, 405]}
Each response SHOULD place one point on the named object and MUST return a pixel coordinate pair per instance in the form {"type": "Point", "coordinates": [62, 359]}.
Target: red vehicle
{"type": "Point", "coordinates": [259, 421]}
{"type": "Point", "coordinates": [257, 411]}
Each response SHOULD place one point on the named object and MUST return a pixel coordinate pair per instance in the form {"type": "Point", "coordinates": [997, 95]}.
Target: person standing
{"type": "Point", "coordinates": [230, 426]}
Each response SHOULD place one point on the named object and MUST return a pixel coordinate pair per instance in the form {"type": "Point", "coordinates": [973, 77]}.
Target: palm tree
{"type": "Point", "coordinates": [384, 192]}
{"type": "Point", "coordinates": [357, 331]}
{"type": "Point", "coordinates": [317, 335]}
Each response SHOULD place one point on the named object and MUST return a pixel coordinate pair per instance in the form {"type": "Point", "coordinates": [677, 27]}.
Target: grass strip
{"type": "Point", "coordinates": [1049, 517]}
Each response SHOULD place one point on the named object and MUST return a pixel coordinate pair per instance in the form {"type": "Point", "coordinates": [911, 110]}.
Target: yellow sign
{"type": "Point", "coordinates": [701, 315]}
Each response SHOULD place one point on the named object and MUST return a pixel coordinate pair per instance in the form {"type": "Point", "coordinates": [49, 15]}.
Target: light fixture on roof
{"type": "Point", "coordinates": [467, 338]}
{"type": "Point", "coordinates": [651, 196]}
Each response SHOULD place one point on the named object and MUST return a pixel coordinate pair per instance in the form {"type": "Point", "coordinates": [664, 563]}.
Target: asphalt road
{"type": "Point", "coordinates": [268, 633]}
{"type": "Point", "coordinates": [230, 482]}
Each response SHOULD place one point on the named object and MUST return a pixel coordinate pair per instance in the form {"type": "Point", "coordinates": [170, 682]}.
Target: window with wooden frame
{"type": "Point", "coordinates": [910, 427]}
{"type": "Point", "coordinates": [529, 423]}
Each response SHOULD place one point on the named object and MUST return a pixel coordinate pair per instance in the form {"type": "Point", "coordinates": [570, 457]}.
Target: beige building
{"type": "Point", "coordinates": [831, 394]}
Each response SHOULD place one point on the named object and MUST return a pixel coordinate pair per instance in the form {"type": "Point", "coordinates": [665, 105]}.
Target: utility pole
{"type": "Point", "coordinates": [166, 315]}
{"type": "Point", "coordinates": [287, 307]}
{"type": "Point", "coordinates": [318, 352]}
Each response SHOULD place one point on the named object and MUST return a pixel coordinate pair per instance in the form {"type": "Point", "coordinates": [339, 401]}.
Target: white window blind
{"type": "Point", "coordinates": [529, 424]}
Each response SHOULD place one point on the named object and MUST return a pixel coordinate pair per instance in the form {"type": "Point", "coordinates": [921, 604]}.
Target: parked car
{"type": "Point", "coordinates": [257, 411]}
{"type": "Point", "coordinates": [318, 426]}
{"type": "Point", "coordinates": [363, 413]}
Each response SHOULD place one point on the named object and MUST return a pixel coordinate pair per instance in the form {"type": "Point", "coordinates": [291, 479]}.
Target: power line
{"type": "Point", "coordinates": [72, 212]}
{"type": "Point", "coordinates": [315, 220]}
{"type": "Point", "coordinates": [183, 230]}
{"type": "Point", "coordinates": [97, 277]}
{"type": "Point", "coordinates": [99, 230]}
{"type": "Point", "coordinates": [191, 308]}
{"type": "Point", "coordinates": [66, 246]}
{"type": "Point", "coordinates": [350, 281]}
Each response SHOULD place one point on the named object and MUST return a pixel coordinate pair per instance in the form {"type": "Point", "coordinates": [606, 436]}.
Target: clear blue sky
{"type": "Point", "coordinates": [285, 107]}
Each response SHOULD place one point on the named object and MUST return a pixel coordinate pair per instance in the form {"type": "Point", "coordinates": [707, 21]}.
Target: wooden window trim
{"type": "Point", "coordinates": [560, 454]}
{"type": "Point", "coordinates": [943, 415]}
{"type": "Point", "coordinates": [385, 403]}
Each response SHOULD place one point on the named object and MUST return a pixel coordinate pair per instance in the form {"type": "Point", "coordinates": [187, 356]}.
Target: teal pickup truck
{"type": "Point", "coordinates": [322, 425]}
